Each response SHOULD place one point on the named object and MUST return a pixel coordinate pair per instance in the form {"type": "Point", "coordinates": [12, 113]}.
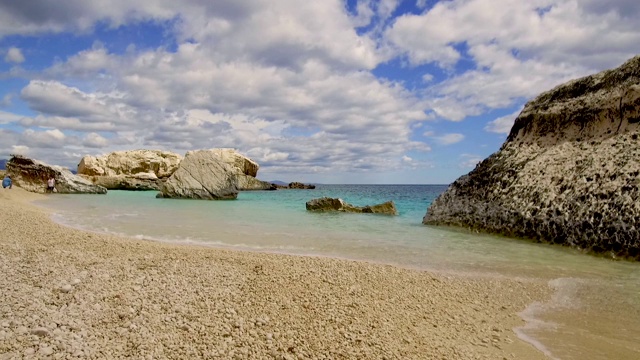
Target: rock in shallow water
{"type": "Point", "coordinates": [336, 204]}
{"type": "Point", "coordinates": [130, 170]}
{"type": "Point", "coordinates": [567, 174]}
{"type": "Point", "coordinates": [213, 174]}
{"type": "Point", "coordinates": [203, 174]}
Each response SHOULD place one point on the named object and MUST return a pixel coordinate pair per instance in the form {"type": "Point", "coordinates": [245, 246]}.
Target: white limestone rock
{"type": "Point", "coordinates": [204, 174]}
{"type": "Point", "coordinates": [130, 170]}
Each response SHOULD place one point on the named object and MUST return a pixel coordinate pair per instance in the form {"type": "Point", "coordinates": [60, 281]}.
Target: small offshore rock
{"type": "Point", "coordinates": [336, 204]}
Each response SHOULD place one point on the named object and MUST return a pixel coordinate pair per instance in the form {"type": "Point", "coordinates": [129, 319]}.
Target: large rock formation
{"type": "Point", "coordinates": [32, 175]}
{"type": "Point", "coordinates": [325, 204]}
{"type": "Point", "coordinates": [204, 174]}
{"type": "Point", "coordinates": [244, 168]}
{"type": "Point", "coordinates": [568, 172]}
{"type": "Point", "coordinates": [130, 170]}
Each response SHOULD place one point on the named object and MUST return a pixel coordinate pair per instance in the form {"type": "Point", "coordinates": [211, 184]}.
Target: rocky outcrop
{"type": "Point", "coordinates": [247, 183]}
{"type": "Point", "coordinates": [245, 169]}
{"type": "Point", "coordinates": [130, 170]}
{"type": "Point", "coordinates": [295, 185]}
{"type": "Point", "coordinates": [32, 175]}
{"type": "Point", "coordinates": [568, 172]}
{"type": "Point", "coordinates": [148, 169]}
{"type": "Point", "coordinates": [325, 204]}
{"type": "Point", "coordinates": [203, 174]}
{"type": "Point", "coordinates": [298, 185]}
{"type": "Point", "coordinates": [135, 182]}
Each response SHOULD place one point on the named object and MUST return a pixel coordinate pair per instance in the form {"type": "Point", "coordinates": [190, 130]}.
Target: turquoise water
{"type": "Point", "coordinates": [277, 221]}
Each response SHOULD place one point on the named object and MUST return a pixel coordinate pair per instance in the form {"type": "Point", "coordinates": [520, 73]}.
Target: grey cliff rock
{"type": "Point", "coordinates": [203, 174]}
{"type": "Point", "coordinates": [244, 168]}
{"type": "Point", "coordinates": [333, 204]}
{"type": "Point", "coordinates": [568, 172]}
{"type": "Point", "coordinates": [247, 182]}
{"type": "Point", "coordinates": [32, 175]}
{"type": "Point", "coordinates": [130, 170]}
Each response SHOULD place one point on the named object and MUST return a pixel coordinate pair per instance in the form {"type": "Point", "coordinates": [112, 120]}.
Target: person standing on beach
{"type": "Point", "coordinates": [6, 182]}
{"type": "Point", "coordinates": [51, 184]}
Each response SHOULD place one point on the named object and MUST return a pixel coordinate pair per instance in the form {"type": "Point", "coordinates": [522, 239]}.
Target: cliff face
{"type": "Point", "coordinates": [32, 175]}
{"type": "Point", "coordinates": [568, 172]}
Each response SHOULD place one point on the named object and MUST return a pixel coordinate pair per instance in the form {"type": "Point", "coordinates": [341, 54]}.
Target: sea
{"type": "Point", "coordinates": [593, 314]}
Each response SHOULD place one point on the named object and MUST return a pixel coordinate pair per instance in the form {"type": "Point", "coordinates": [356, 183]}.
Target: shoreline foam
{"type": "Point", "coordinates": [69, 291]}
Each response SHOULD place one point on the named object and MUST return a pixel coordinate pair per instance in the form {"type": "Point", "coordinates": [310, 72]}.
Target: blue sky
{"type": "Point", "coordinates": [316, 91]}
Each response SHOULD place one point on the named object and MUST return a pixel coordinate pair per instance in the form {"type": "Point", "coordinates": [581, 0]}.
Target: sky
{"type": "Point", "coordinates": [323, 91]}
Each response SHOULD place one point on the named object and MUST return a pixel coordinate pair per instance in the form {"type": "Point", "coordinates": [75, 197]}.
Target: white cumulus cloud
{"type": "Point", "coordinates": [14, 55]}
{"type": "Point", "coordinates": [449, 139]}
{"type": "Point", "coordinates": [517, 48]}
{"type": "Point", "coordinates": [301, 87]}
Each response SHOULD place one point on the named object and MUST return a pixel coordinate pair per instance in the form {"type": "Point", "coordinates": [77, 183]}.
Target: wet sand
{"type": "Point", "coordinates": [73, 294]}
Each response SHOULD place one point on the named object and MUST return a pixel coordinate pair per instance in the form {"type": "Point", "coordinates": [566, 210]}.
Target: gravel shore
{"type": "Point", "coordinates": [66, 293]}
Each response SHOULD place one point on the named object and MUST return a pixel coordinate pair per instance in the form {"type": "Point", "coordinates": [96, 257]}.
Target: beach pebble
{"type": "Point", "coordinates": [46, 351]}
{"type": "Point", "coordinates": [40, 331]}
{"type": "Point", "coordinates": [199, 303]}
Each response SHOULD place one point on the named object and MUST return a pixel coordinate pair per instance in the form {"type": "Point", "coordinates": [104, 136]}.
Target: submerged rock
{"type": "Point", "coordinates": [568, 172]}
{"type": "Point", "coordinates": [32, 175]}
{"type": "Point", "coordinates": [334, 204]}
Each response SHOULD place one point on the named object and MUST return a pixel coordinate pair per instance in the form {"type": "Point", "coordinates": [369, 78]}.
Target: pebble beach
{"type": "Point", "coordinates": [68, 294]}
